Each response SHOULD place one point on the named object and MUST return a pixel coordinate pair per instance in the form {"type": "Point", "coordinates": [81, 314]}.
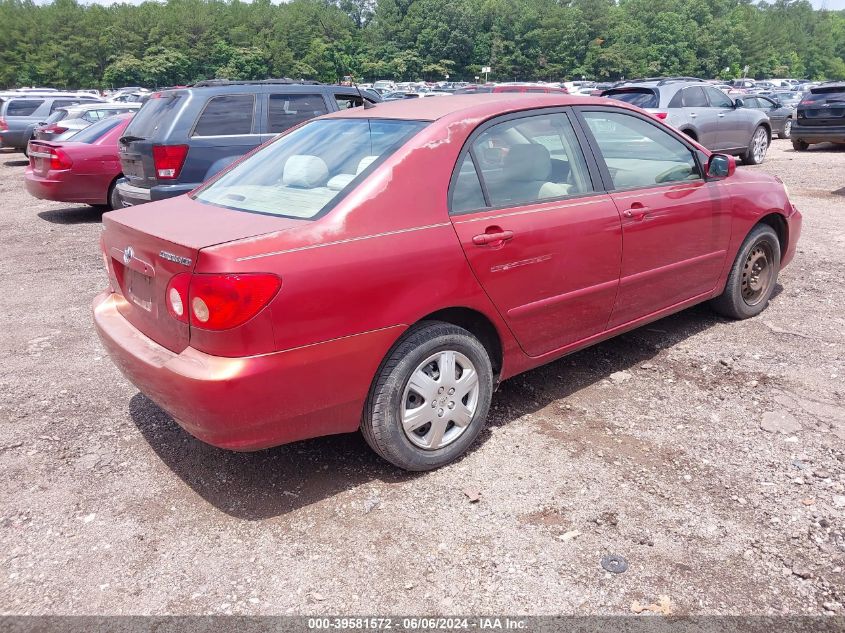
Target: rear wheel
{"type": "Point", "coordinates": [430, 398]}
{"type": "Point", "coordinates": [800, 146]}
{"type": "Point", "coordinates": [787, 129]}
{"type": "Point", "coordinates": [114, 201]}
{"type": "Point", "coordinates": [756, 152]}
{"type": "Point", "coordinates": [753, 275]}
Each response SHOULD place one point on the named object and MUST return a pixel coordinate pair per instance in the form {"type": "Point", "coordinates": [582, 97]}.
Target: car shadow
{"type": "Point", "coordinates": [21, 162]}
{"type": "Point", "coordinates": [273, 482]}
{"type": "Point", "coordinates": [74, 215]}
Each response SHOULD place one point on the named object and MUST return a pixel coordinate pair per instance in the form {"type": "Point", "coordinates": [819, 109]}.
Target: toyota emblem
{"type": "Point", "coordinates": [128, 254]}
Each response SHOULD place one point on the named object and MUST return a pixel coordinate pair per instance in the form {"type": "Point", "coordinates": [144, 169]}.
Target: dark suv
{"type": "Point", "coordinates": [820, 117]}
{"type": "Point", "coordinates": [182, 137]}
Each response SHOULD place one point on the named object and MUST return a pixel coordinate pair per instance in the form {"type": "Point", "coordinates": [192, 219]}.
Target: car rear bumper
{"type": "Point", "coordinates": [13, 138]}
{"type": "Point", "coordinates": [819, 133]}
{"type": "Point", "coordinates": [64, 187]}
{"type": "Point", "coordinates": [131, 195]}
{"type": "Point", "coordinates": [248, 403]}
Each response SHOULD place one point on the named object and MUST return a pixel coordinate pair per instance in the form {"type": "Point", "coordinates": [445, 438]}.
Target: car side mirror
{"type": "Point", "coordinates": [738, 103]}
{"type": "Point", "coordinates": [721, 166]}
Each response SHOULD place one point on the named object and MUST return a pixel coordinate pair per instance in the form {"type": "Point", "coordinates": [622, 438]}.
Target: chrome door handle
{"type": "Point", "coordinates": [721, 115]}
{"type": "Point", "coordinates": [692, 115]}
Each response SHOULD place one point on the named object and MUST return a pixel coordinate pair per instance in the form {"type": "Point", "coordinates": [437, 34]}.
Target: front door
{"type": "Point", "coordinates": [542, 239]}
{"type": "Point", "coordinates": [675, 224]}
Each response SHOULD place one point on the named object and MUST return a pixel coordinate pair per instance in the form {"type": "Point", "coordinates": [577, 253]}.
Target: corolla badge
{"type": "Point", "coordinates": [128, 254]}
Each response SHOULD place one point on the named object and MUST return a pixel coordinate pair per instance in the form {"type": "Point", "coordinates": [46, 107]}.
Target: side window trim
{"type": "Point", "coordinates": [253, 131]}
{"type": "Point", "coordinates": [602, 165]}
{"type": "Point", "coordinates": [593, 168]}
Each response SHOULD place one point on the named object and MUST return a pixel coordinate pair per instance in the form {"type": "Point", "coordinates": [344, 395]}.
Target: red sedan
{"type": "Point", "coordinates": [385, 268]}
{"type": "Point", "coordinates": [84, 168]}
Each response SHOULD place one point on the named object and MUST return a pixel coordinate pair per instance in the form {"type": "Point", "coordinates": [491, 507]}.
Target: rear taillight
{"type": "Point", "coordinates": [54, 128]}
{"type": "Point", "coordinates": [58, 158]}
{"type": "Point", "coordinates": [3, 125]}
{"type": "Point", "coordinates": [168, 160]}
{"type": "Point", "coordinates": [219, 301]}
{"type": "Point", "coordinates": [660, 115]}
{"type": "Point", "coordinates": [177, 296]}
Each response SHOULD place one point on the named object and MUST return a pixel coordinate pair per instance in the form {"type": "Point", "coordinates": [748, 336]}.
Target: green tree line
{"type": "Point", "coordinates": [72, 45]}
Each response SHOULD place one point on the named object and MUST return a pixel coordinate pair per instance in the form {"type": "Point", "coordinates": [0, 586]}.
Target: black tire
{"type": "Point", "coordinates": [382, 425]}
{"type": "Point", "coordinates": [738, 301]}
{"type": "Point", "coordinates": [113, 199]}
{"type": "Point", "coordinates": [787, 129]}
{"type": "Point", "coordinates": [800, 146]}
{"type": "Point", "coordinates": [749, 157]}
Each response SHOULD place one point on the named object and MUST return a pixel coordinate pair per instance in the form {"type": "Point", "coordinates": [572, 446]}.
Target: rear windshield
{"type": "Point", "coordinates": [57, 116]}
{"type": "Point", "coordinates": [834, 94]}
{"type": "Point", "coordinates": [153, 114]}
{"type": "Point", "coordinates": [640, 97]}
{"type": "Point", "coordinates": [22, 107]}
{"type": "Point", "coordinates": [306, 171]}
{"type": "Point", "coordinates": [94, 131]}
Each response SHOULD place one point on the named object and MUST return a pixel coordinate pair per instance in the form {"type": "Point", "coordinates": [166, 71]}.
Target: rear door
{"type": "Point", "coordinates": [675, 225]}
{"type": "Point", "coordinates": [697, 110]}
{"type": "Point", "coordinates": [541, 236]}
{"type": "Point", "coordinates": [225, 130]}
{"type": "Point", "coordinates": [733, 126]}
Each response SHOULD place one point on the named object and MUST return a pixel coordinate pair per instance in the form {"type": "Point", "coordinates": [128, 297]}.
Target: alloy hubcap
{"type": "Point", "coordinates": [440, 400]}
{"type": "Point", "coordinates": [759, 145]}
{"type": "Point", "coordinates": [787, 129]}
{"type": "Point", "coordinates": [757, 274]}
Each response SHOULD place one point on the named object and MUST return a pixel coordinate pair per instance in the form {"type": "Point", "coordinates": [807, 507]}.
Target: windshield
{"type": "Point", "coordinates": [640, 97]}
{"type": "Point", "coordinates": [94, 131]}
{"type": "Point", "coordinates": [309, 169]}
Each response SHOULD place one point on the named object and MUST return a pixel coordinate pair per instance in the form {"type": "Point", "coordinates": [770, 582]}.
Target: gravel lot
{"type": "Point", "coordinates": [650, 446]}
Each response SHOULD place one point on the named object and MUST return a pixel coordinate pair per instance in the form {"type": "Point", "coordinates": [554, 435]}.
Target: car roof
{"type": "Point", "coordinates": [470, 105]}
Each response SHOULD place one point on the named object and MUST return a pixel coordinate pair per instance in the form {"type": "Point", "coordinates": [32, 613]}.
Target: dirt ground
{"type": "Point", "coordinates": [651, 446]}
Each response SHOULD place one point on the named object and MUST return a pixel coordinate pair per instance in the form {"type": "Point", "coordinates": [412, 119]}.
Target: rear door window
{"type": "Point", "coordinates": [288, 110]}
{"type": "Point", "coordinates": [23, 107]}
{"type": "Point", "coordinates": [226, 115]}
{"type": "Point", "coordinates": [695, 98]}
{"type": "Point", "coordinates": [63, 103]}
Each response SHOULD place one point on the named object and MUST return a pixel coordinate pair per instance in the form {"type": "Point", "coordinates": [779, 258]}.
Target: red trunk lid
{"type": "Point", "coordinates": [147, 245]}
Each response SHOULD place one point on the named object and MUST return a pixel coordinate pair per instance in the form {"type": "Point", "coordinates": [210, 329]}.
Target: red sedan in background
{"type": "Point", "coordinates": [385, 268]}
{"type": "Point", "coordinates": [84, 168]}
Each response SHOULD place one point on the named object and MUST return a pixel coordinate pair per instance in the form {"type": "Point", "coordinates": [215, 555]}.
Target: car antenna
{"type": "Point", "coordinates": [367, 105]}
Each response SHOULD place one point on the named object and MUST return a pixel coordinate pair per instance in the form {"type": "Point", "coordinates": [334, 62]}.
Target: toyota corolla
{"type": "Point", "coordinates": [384, 269]}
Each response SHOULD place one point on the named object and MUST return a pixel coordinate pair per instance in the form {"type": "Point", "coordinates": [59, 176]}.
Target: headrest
{"type": "Point", "coordinates": [527, 162]}
{"type": "Point", "coordinates": [304, 170]}
{"type": "Point", "coordinates": [365, 162]}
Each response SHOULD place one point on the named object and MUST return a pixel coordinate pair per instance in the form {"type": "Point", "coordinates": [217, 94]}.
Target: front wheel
{"type": "Point", "coordinates": [787, 129]}
{"type": "Point", "coordinates": [756, 152]}
{"type": "Point", "coordinates": [753, 275]}
{"type": "Point", "coordinates": [430, 398]}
